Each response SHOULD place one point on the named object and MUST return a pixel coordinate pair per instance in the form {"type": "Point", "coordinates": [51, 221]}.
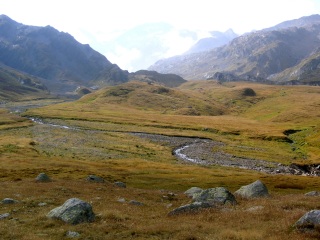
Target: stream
{"type": "Point", "coordinates": [204, 151]}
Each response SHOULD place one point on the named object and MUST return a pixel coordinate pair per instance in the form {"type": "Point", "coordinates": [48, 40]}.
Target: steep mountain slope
{"type": "Point", "coordinates": [15, 85]}
{"type": "Point", "coordinates": [55, 56]}
{"type": "Point", "coordinates": [253, 56]}
{"type": "Point", "coordinates": [217, 39]}
{"type": "Point", "coordinates": [306, 72]}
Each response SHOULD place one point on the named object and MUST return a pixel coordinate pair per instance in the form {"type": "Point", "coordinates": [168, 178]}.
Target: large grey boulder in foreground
{"type": "Point", "coordinates": [219, 195]}
{"type": "Point", "coordinates": [253, 190]}
{"type": "Point", "coordinates": [309, 221]}
{"type": "Point", "coordinates": [73, 211]}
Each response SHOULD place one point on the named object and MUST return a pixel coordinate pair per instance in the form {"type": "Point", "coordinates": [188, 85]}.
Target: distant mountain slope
{"type": "Point", "coordinates": [254, 56]}
{"type": "Point", "coordinates": [169, 80]}
{"type": "Point", "coordinates": [306, 72]}
{"type": "Point", "coordinates": [55, 56]}
{"type": "Point", "coordinates": [217, 39]}
{"type": "Point", "coordinates": [15, 85]}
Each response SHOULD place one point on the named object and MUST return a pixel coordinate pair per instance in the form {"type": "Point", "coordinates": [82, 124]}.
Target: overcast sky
{"type": "Point", "coordinates": [101, 23]}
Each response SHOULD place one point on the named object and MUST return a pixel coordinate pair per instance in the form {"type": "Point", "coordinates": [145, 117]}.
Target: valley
{"type": "Point", "coordinates": [111, 134]}
{"type": "Point", "coordinates": [151, 154]}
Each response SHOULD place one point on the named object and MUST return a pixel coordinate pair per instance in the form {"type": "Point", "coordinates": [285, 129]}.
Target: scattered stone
{"type": "Point", "coordinates": [9, 201]}
{"type": "Point", "coordinates": [255, 208]}
{"type": "Point", "coordinates": [120, 184]}
{"type": "Point", "coordinates": [42, 177]}
{"type": "Point", "coordinates": [219, 195]}
{"type": "Point", "coordinates": [309, 221]}
{"type": "Point", "coordinates": [71, 234]}
{"type": "Point", "coordinates": [170, 196]}
{"type": "Point", "coordinates": [4, 215]}
{"type": "Point", "coordinates": [191, 208]}
{"type": "Point", "coordinates": [42, 204]}
{"type": "Point", "coordinates": [93, 178]}
{"type": "Point", "coordinates": [134, 202]}
{"type": "Point", "coordinates": [253, 190]}
{"type": "Point", "coordinates": [121, 200]}
{"type": "Point", "coordinates": [73, 211]}
{"type": "Point", "coordinates": [192, 191]}
{"type": "Point", "coordinates": [313, 194]}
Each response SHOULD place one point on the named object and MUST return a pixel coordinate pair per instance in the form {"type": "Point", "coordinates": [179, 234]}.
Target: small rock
{"type": "Point", "coordinates": [4, 215]}
{"type": "Point", "coordinates": [9, 201]}
{"type": "Point", "coordinates": [255, 208]}
{"type": "Point", "coordinates": [191, 208]}
{"type": "Point", "coordinates": [71, 234]}
{"type": "Point", "coordinates": [73, 211]}
{"type": "Point", "coordinates": [192, 191]}
{"type": "Point", "coordinates": [42, 177]}
{"type": "Point", "coordinates": [42, 204]}
{"type": "Point", "coordinates": [120, 184]}
{"type": "Point", "coordinates": [134, 202]}
{"type": "Point", "coordinates": [93, 178]}
{"type": "Point", "coordinates": [309, 221]}
{"type": "Point", "coordinates": [313, 194]}
{"type": "Point", "coordinates": [121, 200]}
{"type": "Point", "coordinates": [253, 190]}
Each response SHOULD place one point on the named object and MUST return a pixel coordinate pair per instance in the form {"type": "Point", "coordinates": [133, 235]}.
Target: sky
{"type": "Point", "coordinates": [136, 33]}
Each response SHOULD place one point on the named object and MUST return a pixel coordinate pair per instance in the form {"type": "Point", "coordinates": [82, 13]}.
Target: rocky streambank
{"type": "Point", "coordinates": [202, 151]}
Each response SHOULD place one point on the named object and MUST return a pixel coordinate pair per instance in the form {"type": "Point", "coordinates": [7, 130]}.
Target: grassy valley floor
{"type": "Point", "coordinates": [99, 142]}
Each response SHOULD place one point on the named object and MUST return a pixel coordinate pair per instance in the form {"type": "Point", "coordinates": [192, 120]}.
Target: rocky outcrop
{"type": "Point", "coordinates": [253, 190]}
{"type": "Point", "coordinates": [73, 211]}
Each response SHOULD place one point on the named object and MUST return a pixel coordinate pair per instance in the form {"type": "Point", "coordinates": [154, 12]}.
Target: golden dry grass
{"type": "Point", "coordinates": [250, 127]}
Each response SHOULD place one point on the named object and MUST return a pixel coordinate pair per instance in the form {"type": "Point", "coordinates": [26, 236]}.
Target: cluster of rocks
{"type": "Point", "coordinates": [76, 211]}
{"type": "Point", "coordinates": [219, 196]}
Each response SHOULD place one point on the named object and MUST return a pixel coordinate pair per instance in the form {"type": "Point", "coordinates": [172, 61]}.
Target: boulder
{"type": "Point", "coordinates": [134, 202]}
{"type": "Point", "coordinates": [192, 191]}
{"type": "Point", "coordinates": [9, 201]}
{"type": "Point", "coordinates": [313, 194]}
{"type": "Point", "coordinates": [219, 195]}
{"type": "Point", "coordinates": [253, 190]}
{"type": "Point", "coordinates": [191, 208]}
{"type": "Point", "coordinates": [71, 234]}
{"type": "Point", "coordinates": [4, 215]}
{"type": "Point", "coordinates": [42, 177]}
{"type": "Point", "coordinates": [120, 184]}
{"type": "Point", "coordinates": [73, 211]}
{"type": "Point", "coordinates": [309, 221]}
{"type": "Point", "coordinates": [93, 178]}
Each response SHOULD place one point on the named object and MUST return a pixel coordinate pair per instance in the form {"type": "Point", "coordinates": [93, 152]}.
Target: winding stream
{"type": "Point", "coordinates": [200, 151]}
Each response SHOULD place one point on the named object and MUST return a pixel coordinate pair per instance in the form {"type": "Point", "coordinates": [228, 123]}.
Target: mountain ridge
{"type": "Point", "coordinates": [254, 56]}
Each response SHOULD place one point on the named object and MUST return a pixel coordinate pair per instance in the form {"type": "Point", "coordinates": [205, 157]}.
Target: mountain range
{"type": "Point", "coordinates": [285, 53]}
{"type": "Point", "coordinates": [41, 60]}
